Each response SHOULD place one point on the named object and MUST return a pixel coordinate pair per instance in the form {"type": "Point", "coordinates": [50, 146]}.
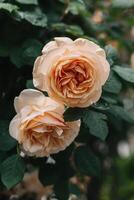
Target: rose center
{"type": "Point", "coordinates": [73, 77]}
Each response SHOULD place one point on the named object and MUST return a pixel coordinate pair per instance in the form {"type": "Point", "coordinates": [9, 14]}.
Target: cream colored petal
{"type": "Point", "coordinates": [28, 97]}
{"type": "Point", "coordinates": [14, 127]}
{"type": "Point", "coordinates": [37, 76]}
{"type": "Point", "coordinates": [30, 116]}
{"type": "Point", "coordinates": [63, 41]}
{"type": "Point", "coordinates": [100, 64]}
{"type": "Point", "coordinates": [50, 120]}
{"type": "Point", "coordinates": [49, 46]}
{"type": "Point", "coordinates": [58, 144]}
{"type": "Point", "coordinates": [34, 148]}
{"type": "Point", "coordinates": [84, 43]}
{"type": "Point", "coordinates": [41, 69]}
{"type": "Point", "coordinates": [67, 138]}
{"type": "Point", "coordinates": [91, 99]}
{"type": "Point", "coordinates": [104, 69]}
{"type": "Point", "coordinates": [31, 149]}
{"type": "Point", "coordinates": [72, 132]}
{"type": "Point", "coordinates": [25, 112]}
{"type": "Point", "coordinates": [28, 113]}
{"type": "Point", "coordinates": [54, 106]}
{"type": "Point", "coordinates": [101, 52]}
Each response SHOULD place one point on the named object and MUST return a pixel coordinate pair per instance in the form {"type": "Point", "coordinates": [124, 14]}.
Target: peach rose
{"type": "Point", "coordinates": [72, 72]}
{"type": "Point", "coordinates": [39, 126]}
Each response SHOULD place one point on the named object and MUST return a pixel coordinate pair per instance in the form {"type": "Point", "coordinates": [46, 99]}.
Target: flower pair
{"type": "Point", "coordinates": [72, 73]}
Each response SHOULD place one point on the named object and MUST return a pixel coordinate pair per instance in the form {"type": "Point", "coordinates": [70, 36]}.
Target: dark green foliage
{"type": "Point", "coordinates": [113, 84]}
{"type": "Point", "coordinates": [86, 162]}
{"type": "Point", "coordinates": [6, 142]}
{"type": "Point", "coordinates": [126, 74]}
{"type": "Point", "coordinates": [12, 171]}
{"type": "Point", "coordinates": [26, 26]}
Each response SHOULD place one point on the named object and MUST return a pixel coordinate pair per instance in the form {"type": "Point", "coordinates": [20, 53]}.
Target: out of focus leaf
{"type": "Point", "coordinates": [2, 156]}
{"type": "Point", "coordinates": [76, 7]}
{"type": "Point", "coordinates": [113, 84]}
{"type": "Point", "coordinates": [27, 53]}
{"type": "Point", "coordinates": [36, 17]}
{"type": "Point", "coordinates": [6, 141]}
{"type": "Point", "coordinates": [110, 98]}
{"type": "Point", "coordinates": [111, 54]}
{"type": "Point", "coordinates": [86, 162]}
{"type": "Point", "coordinates": [12, 171]}
{"type": "Point", "coordinates": [121, 113]}
{"type": "Point", "coordinates": [8, 7]}
{"type": "Point", "coordinates": [125, 73]}
{"type": "Point", "coordinates": [16, 57]}
{"type": "Point", "coordinates": [30, 2]}
{"type": "Point", "coordinates": [123, 3]}
{"type": "Point", "coordinates": [31, 49]}
{"type": "Point", "coordinates": [70, 29]}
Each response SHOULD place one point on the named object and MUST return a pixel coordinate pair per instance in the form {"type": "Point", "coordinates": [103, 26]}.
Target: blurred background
{"type": "Point", "coordinates": [25, 26]}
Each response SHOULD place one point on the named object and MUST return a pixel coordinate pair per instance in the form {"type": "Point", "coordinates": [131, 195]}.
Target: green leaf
{"type": "Point", "coordinates": [2, 156]}
{"type": "Point", "coordinates": [12, 171]}
{"type": "Point", "coordinates": [72, 114]}
{"type": "Point", "coordinates": [69, 29]}
{"type": "Point", "coordinates": [36, 17]}
{"type": "Point", "coordinates": [125, 73]}
{"type": "Point", "coordinates": [27, 53]}
{"type": "Point", "coordinates": [74, 30]}
{"type": "Point", "coordinates": [123, 3]}
{"type": "Point", "coordinates": [110, 98]}
{"type": "Point", "coordinates": [86, 162]}
{"type": "Point", "coordinates": [31, 49]}
{"type": "Point", "coordinates": [76, 7]}
{"type": "Point", "coordinates": [8, 7]}
{"type": "Point", "coordinates": [96, 122]}
{"type": "Point", "coordinates": [120, 112]}
{"type": "Point", "coordinates": [111, 54]}
{"type": "Point", "coordinates": [16, 57]}
{"type": "Point", "coordinates": [100, 106]}
{"type": "Point", "coordinates": [61, 190]}
{"type": "Point", "coordinates": [6, 142]}
{"type": "Point", "coordinates": [113, 84]}
{"type": "Point", "coordinates": [30, 2]}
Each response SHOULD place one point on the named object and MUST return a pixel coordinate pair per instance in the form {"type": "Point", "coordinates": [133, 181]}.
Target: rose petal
{"type": "Point", "coordinates": [63, 41]}
{"type": "Point", "coordinates": [49, 46]}
{"type": "Point", "coordinates": [28, 97]}
{"type": "Point", "coordinates": [14, 126]}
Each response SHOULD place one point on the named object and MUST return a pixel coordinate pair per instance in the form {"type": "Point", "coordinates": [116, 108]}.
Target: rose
{"type": "Point", "coordinates": [72, 72]}
{"type": "Point", "coordinates": [39, 126]}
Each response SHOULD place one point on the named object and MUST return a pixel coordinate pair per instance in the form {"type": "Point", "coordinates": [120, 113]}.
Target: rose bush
{"type": "Point", "coordinates": [72, 72]}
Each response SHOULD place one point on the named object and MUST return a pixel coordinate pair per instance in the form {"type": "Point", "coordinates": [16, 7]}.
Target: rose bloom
{"type": "Point", "coordinates": [72, 72]}
{"type": "Point", "coordinates": [39, 126]}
